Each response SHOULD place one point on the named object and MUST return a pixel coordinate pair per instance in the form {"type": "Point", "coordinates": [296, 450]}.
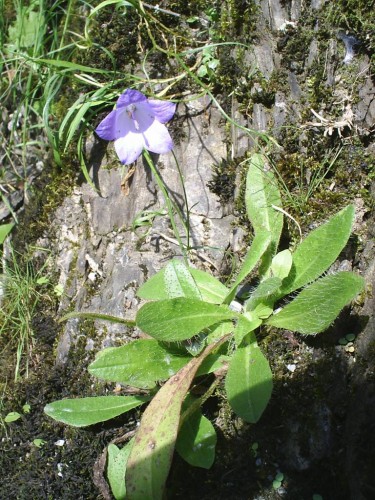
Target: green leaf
{"type": "Point", "coordinates": [179, 282]}
{"type": "Point", "coordinates": [261, 193]}
{"type": "Point", "coordinates": [81, 412]}
{"type": "Point", "coordinates": [154, 288]}
{"type": "Point", "coordinates": [210, 288]}
{"type": "Point", "coordinates": [151, 456]}
{"type": "Point", "coordinates": [319, 250]}
{"type": "Point", "coordinates": [215, 332]}
{"type": "Point", "coordinates": [202, 71]}
{"type": "Point", "coordinates": [180, 318]}
{"type": "Point", "coordinates": [12, 417]}
{"type": "Point", "coordinates": [141, 363]}
{"type": "Point", "coordinates": [265, 293]}
{"type": "Point", "coordinates": [282, 264]}
{"type": "Point", "coordinates": [318, 305]}
{"type": "Point", "coordinates": [5, 229]}
{"type": "Point", "coordinates": [213, 362]}
{"type": "Point", "coordinates": [258, 247]}
{"type": "Point", "coordinates": [116, 468]}
{"type": "Point", "coordinates": [196, 441]}
{"type": "Point", "coordinates": [249, 382]}
{"type": "Point", "coordinates": [38, 442]}
{"type": "Point", "coordinates": [246, 323]}
{"type": "Point", "coordinates": [27, 28]}
{"type": "Point", "coordinates": [121, 3]}
{"type": "Point", "coordinates": [26, 408]}
{"type": "Point", "coordinates": [59, 63]}
{"type": "Point", "coordinates": [93, 316]}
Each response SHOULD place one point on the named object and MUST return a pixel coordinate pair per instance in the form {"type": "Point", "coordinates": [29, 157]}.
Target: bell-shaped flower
{"type": "Point", "coordinates": [137, 123]}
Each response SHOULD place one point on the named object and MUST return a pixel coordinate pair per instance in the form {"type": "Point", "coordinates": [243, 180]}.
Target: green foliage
{"type": "Point", "coordinates": [5, 229]}
{"type": "Point", "coordinates": [199, 326]}
{"type": "Point", "coordinates": [262, 196]}
{"type": "Point", "coordinates": [196, 438]}
{"type": "Point", "coordinates": [318, 305]}
{"type": "Point", "coordinates": [248, 383]}
{"type": "Point", "coordinates": [309, 261]}
{"type": "Point", "coordinates": [180, 318]}
{"type": "Point", "coordinates": [81, 412]}
{"type": "Point", "coordinates": [121, 364]}
{"type": "Point", "coordinates": [12, 416]}
{"type": "Point", "coordinates": [22, 288]}
{"type": "Point", "coordinates": [117, 460]}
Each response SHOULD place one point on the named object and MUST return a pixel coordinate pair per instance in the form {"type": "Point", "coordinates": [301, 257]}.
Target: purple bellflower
{"type": "Point", "coordinates": [137, 123]}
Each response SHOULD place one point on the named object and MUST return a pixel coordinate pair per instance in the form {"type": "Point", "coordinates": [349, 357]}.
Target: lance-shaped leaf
{"type": "Point", "coordinates": [282, 264]}
{"type": "Point", "coordinates": [180, 318]}
{"type": "Point", "coordinates": [141, 363]}
{"type": "Point", "coordinates": [249, 381]}
{"type": "Point", "coordinates": [116, 467]}
{"type": "Point", "coordinates": [265, 293]}
{"type": "Point", "coordinates": [210, 288]}
{"type": "Point", "coordinates": [5, 229]}
{"type": "Point", "coordinates": [152, 452]}
{"type": "Point", "coordinates": [319, 250]}
{"type": "Point", "coordinates": [80, 412]}
{"type": "Point", "coordinates": [179, 282]}
{"type": "Point", "coordinates": [246, 323]}
{"type": "Point", "coordinates": [259, 245]}
{"type": "Point", "coordinates": [261, 193]}
{"type": "Point", "coordinates": [196, 439]}
{"type": "Point", "coordinates": [154, 288]}
{"type": "Point", "coordinates": [318, 305]}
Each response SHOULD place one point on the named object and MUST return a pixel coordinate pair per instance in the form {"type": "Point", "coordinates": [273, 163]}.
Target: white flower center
{"type": "Point", "coordinates": [131, 109]}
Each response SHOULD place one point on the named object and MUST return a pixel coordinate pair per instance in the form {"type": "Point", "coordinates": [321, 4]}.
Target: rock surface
{"type": "Point", "coordinates": [318, 427]}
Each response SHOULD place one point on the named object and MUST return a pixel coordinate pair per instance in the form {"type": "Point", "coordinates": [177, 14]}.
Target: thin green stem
{"type": "Point", "coordinates": [167, 199]}
{"type": "Point", "coordinates": [187, 226]}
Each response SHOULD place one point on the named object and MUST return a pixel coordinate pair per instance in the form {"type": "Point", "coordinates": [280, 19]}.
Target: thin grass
{"type": "Point", "coordinates": [21, 292]}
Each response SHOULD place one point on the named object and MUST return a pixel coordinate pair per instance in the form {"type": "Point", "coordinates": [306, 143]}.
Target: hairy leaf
{"type": "Point", "coordinates": [261, 193]}
{"type": "Point", "coordinates": [265, 293]}
{"type": "Point", "coordinates": [259, 245]}
{"type": "Point", "coordinates": [318, 305]}
{"type": "Point", "coordinates": [141, 363]}
{"type": "Point", "coordinates": [281, 264]}
{"type": "Point", "coordinates": [180, 318]}
{"type": "Point", "coordinates": [116, 467]}
{"type": "Point", "coordinates": [81, 412]}
{"type": "Point", "coordinates": [152, 452]}
{"type": "Point", "coordinates": [319, 250]}
{"type": "Point", "coordinates": [210, 288]}
{"type": "Point", "coordinates": [154, 288]}
{"type": "Point", "coordinates": [249, 382]}
{"type": "Point", "coordinates": [179, 282]}
{"type": "Point", "coordinates": [246, 323]}
{"type": "Point", "coordinates": [196, 441]}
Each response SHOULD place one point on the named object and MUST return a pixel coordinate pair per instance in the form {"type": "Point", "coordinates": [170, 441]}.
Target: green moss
{"type": "Point", "coordinates": [356, 17]}
{"type": "Point", "coordinates": [223, 180]}
{"type": "Point", "coordinates": [48, 191]}
{"type": "Point", "coordinates": [239, 21]}
{"type": "Point", "coordinates": [317, 185]}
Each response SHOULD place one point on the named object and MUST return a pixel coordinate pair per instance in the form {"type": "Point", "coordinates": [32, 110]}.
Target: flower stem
{"type": "Point", "coordinates": [187, 225]}
{"type": "Point", "coordinates": [167, 199]}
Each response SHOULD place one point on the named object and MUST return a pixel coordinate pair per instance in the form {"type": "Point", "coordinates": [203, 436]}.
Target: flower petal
{"type": "Point", "coordinates": [162, 110]}
{"type": "Point", "coordinates": [107, 127]}
{"type": "Point", "coordinates": [157, 138]}
{"type": "Point", "coordinates": [130, 96]}
{"type": "Point", "coordinates": [130, 147]}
